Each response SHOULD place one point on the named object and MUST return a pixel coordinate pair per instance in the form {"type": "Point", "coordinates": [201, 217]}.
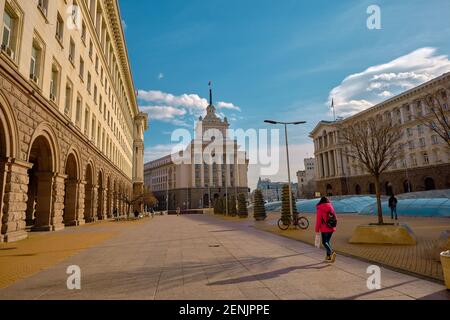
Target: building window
{"type": "Point", "coordinates": [420, 129]}
{"type": "Point", "coordinates": [68, 101]}
{"type": "Point", "coordinates": [72, 51]}
{"type": "Point", "coordinates": [10, 38]}
{"type": "Point", "coordinates": [434, 139]}
{"type": "Point", "coordinates": [93, 128]}
{"type": "Point", "coordinates": [89, 82]}
{"type": "Point", "coordinates": [43, 6]}
{"type": "Point", "coordinates": [54, 83]}
{"type": "Point", "coordinates": [86, 122]}
{"type": "Point", "coordinates": [411, 145]}
{"type": "Point", "coordinates": [83, 32]}
{"type": "Point", "coordinates": [426, 159]}
{"type": "Point", "coordinates": [78, 111]}
{"type": "Point", "coordinates": [81, 69]}
{"type": "Point", "coordinates": [422, 142]}
{"type": "Point", "coordinates": [91, 49]}
{"type": "Point", "coordinates": [95, 93]}
{"type": "Point", "coordinates": [409, 132]}
{"type": "Point", "coordinates": [59, 29]}
{"type": "Point", "coordinates": [413, 160]}
{"type": "Point", "coordinates": [35, 63]}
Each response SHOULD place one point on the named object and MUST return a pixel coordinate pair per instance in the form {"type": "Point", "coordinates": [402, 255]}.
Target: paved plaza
{"type": "Point", "coordinates": [201, 257]}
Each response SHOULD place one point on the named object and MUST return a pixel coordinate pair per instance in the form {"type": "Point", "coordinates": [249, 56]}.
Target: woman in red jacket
{"type": "Point", "coordinates": [325, 210]}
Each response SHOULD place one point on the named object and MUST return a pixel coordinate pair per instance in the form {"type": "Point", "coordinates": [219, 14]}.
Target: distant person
{"type": "Point", "coordinates": [393, 205]}
{"type": "Point", "coordinates": [115, 213]}
{"type": "Point", "coordinates": [326, 223]}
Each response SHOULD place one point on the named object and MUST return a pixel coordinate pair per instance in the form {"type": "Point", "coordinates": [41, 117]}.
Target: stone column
{"type": "Point", "coordinates": [79, 217]}
{"type": "Point", "coordinates": [109, 204]}
{"type": "Point", "coordinates": [14, 205]}
{"type": "Point", "coordinates": [105, 204]}
{"type": "Point", "coordinates": [56, 219]}
{"type": "Point", "coordinates": [331, 164]}
{"type": "Point", "coordinates": [94, 203]}
{"type": "Point", "coordinates": [402, 114]}
{"type": "Point", "coordinates": [326, 165]}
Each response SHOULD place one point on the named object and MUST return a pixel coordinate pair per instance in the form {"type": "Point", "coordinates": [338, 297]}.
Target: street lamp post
{"type": "Point", "coordinates": [287, 155]}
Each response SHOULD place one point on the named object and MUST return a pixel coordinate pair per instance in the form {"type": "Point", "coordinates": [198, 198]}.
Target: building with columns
{"type": "Point", "coordinates": [212, 166]}
{"type": "Point", "coordinates": [71, 134]}
{"type": "Point", "coordinates": [425, 161]}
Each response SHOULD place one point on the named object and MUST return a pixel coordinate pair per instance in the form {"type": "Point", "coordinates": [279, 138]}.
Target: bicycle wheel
{"type": "Point", "coordinates": [303, 223]}
{"type": "Point", "coordinates": [282, 225]}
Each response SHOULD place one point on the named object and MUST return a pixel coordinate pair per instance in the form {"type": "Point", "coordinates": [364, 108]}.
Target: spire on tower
{"type": "Point", "coordinates": [210, 94]}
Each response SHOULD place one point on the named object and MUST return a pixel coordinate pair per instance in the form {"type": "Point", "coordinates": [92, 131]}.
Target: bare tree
{"type": "Point", "coordinates": [438, 119]}
{"type": "Point", "coordinates": [374, 143]}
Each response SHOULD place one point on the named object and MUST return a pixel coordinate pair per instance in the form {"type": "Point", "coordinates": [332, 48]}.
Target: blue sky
{"type": "Point", "coordinates": [277, 59]}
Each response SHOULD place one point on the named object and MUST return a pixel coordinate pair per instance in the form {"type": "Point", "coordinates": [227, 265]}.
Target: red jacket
{"type": "Point", "coordinates": [322, 217]}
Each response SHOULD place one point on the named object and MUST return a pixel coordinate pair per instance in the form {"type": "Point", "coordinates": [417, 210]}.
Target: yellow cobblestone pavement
{"type": "Point", "coordinates": [421, 259]}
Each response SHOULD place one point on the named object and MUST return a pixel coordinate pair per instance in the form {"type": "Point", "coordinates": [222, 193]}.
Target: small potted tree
{"type": "Point", "coordinates": [232, 211]}
{"type": "Point", "coordinates": [259, 210]}
{"type": "Point", "coordinates": [242, 206]}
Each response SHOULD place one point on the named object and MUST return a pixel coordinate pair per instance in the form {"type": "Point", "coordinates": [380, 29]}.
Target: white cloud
{"type": "Point", "coordinates": [124, 25]}
{"type": "Point", "coordinates": [167, 107]}
{"type": "Point", "coordinates": [163, 112]}
{"type": "Point", "coordinates": [363, 90]}
{"type": "Point", "coordinates": [227, 105]}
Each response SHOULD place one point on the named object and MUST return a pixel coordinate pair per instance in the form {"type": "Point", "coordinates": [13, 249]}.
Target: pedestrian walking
{"type": "Point", "coordinates": [393, 205]}
{"type": "Point", "coordinates": [326, 223]}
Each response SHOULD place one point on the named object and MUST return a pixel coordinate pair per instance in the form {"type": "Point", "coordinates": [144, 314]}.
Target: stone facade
{"type": "Point", "coordinates": [53, 172]}
{"type": "Point", "coordinates": [424, 162]}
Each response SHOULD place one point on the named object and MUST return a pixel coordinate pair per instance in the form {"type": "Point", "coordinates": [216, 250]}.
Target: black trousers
{"type": "Point", "coordinates": [326, 241]}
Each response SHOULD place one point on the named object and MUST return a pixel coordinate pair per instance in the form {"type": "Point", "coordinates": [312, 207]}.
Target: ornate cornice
{"type": "Point", "coordinates": [112, 10]}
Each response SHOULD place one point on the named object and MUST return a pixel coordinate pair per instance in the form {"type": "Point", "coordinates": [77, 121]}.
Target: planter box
{"type": "Point", "coordinates": [445, 260]}
{"type": "Point", "coordinates": [384, 234]}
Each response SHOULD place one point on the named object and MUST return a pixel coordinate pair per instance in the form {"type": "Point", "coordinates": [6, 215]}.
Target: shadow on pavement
{"type": "Point", "coordinates": [269, 275]}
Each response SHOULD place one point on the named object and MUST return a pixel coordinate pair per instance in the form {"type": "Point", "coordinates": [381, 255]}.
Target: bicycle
{"type": "Point", "coordinates": [299, 222]}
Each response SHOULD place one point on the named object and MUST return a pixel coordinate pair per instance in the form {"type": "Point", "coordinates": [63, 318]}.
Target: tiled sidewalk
{"type": "Point", "coordinates": [422, 259]}
{"type": "Point", "coordinates": [202, 257]}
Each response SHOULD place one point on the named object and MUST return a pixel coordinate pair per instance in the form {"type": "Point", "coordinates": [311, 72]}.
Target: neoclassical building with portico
{"type": "Point", "coordinates": [71, 134]}
{"type": "Point", "coordinates": [425, 161]}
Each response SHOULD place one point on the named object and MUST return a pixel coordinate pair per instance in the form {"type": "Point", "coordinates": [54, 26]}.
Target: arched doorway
{"type": "Point", "coordinates": [389, 189]}
{"type": "Point", "coordinates": [429, 184]}
{"type": "Point", "coordinates": [40, 190]}
{"type": "Point", "coordinates": [358, 189]}
{"type": "Point", "coordinates": [329, 190]}
{"type": "Point", "coordinates": [115, 208]}
{"type": "Point", "coordinates": [407, 186]}
{"type": "Point", "coordinates": [206, 201]}
{"type": "Point", "coordinates": [109, 209]}
{"type": "Point", "coordinates": [101, 197]}
{"type": "Point", "coordinates": [372, 189]}
{"type": "Point", "coordinates": [71, 192]}
{"type": "Point", "coordinates": [7, 142]}
{"type": "Point", "coordinates": [88, 194]}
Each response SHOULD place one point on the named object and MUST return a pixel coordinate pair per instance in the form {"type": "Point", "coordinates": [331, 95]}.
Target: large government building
{"type": "Point", "coordinates": [71, 134]}
{"type": "Point", "coordinates": [198, 182]}
{"type": "Point", "coordinates": [425, 164]}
